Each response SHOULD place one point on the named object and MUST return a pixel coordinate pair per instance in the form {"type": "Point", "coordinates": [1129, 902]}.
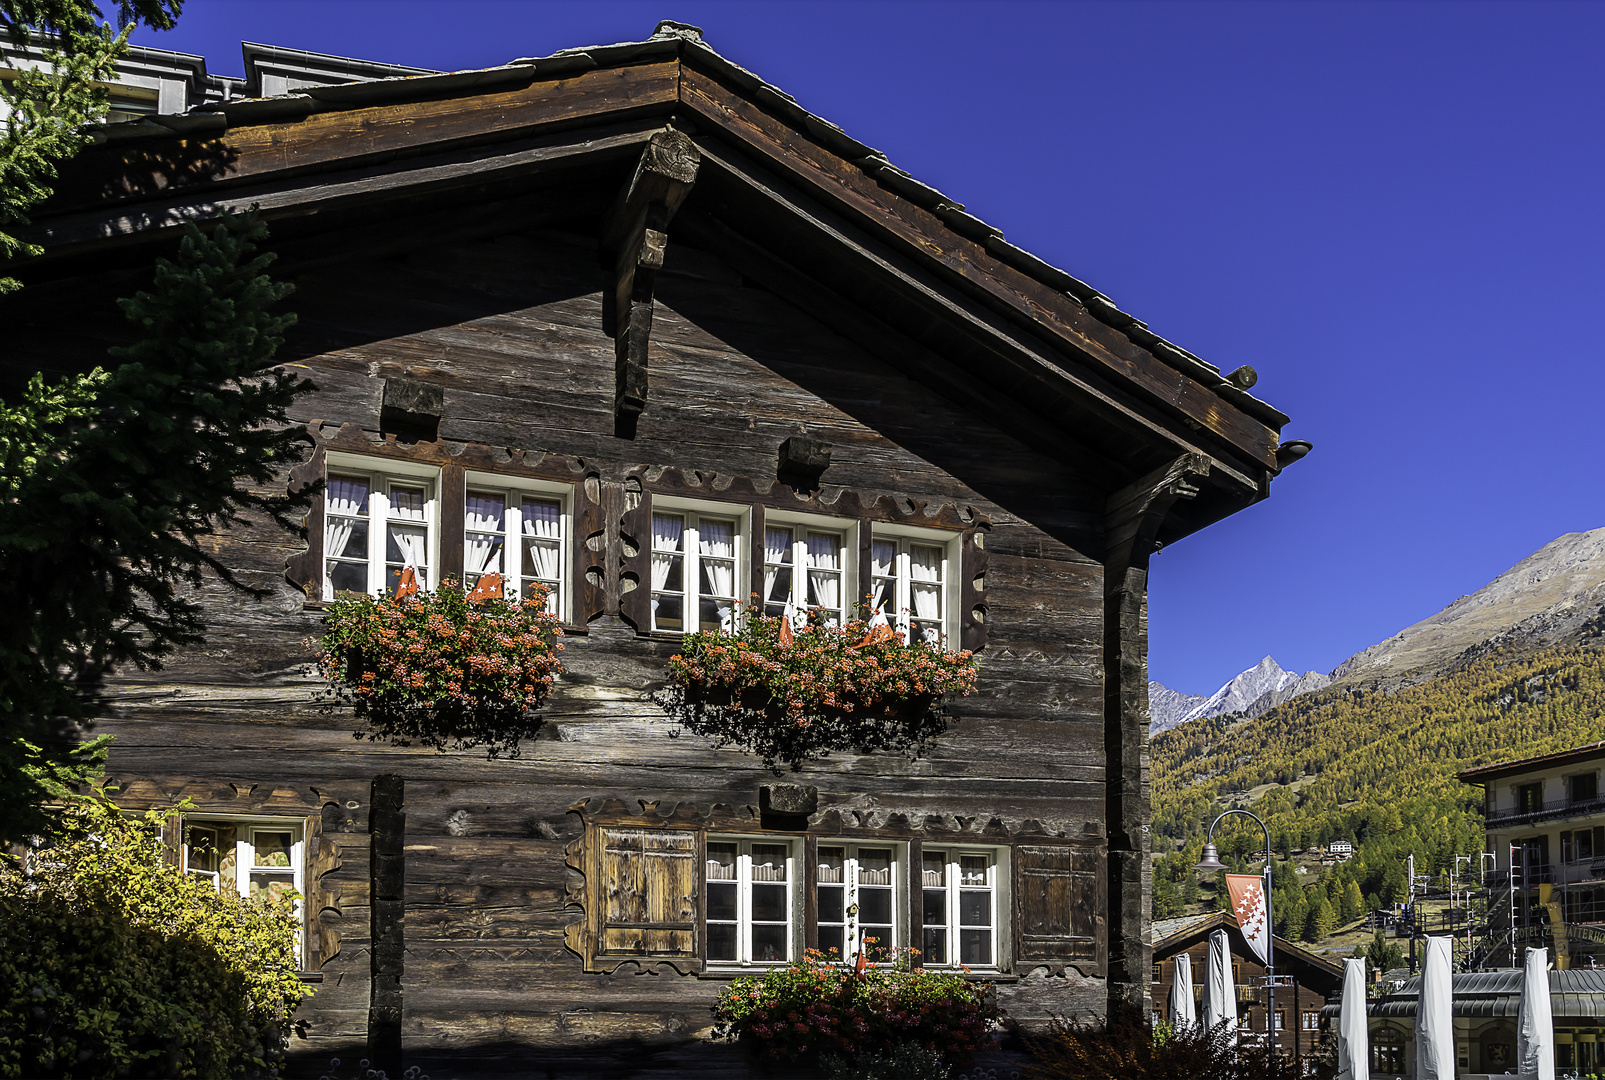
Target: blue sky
{"type": "Point", "coordinates": [1392, 211]}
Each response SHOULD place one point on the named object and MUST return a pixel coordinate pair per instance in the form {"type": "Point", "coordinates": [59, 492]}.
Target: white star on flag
{"type": "Point", "coordinates": [1247, 893]}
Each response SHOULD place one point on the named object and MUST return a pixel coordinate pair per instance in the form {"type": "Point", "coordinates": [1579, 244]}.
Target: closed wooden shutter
{"type": "Point", "coordinates": [649, 892]}
{"type": "Point", "coordinates": [1059, 896]}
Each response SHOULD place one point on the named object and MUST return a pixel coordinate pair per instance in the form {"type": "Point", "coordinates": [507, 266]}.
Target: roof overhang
{"type": "Point", "coordinates": [787, 197]}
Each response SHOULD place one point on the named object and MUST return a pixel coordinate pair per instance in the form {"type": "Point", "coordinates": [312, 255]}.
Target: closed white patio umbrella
{"type": "Point", "coordinates": [1435, 1033]}
{"type": "Point", "coordinates": [1354, 1041]}
{"type": "Point", "coordinates": [1535, 1027]}
{"type": "Point", "coordinates": [1220, 993]}
{"type": "Point", "coordinates": [1182, 1014]}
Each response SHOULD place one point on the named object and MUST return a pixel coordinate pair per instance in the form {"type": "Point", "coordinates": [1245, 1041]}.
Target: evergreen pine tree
{"type": "Point", "coordinates": [109, 483]}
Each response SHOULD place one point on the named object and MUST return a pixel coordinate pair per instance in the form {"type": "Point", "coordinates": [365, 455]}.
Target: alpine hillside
{"type": "Point", "coordinates": [1514, 669]}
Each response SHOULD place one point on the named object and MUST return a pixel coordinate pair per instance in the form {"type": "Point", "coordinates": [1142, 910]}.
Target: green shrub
{"type": "Point", "coordinates": [816, 1006]}
{"type": "Point", "coordinates": [114, 964]}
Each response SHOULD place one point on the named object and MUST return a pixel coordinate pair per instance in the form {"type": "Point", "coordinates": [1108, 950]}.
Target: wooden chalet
{"type": "Point", "coordinates": [1300, 1025]}
{"type": "Point", "coordinates": [609, 296]}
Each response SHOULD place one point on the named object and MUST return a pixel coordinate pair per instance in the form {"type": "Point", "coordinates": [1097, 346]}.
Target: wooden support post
{"type": "Point", "coordinates": [634, 240]}
{"type": "Point", "coordinates": [1132, 519]}
{"type": "Point", "coordinates": [387, 833]}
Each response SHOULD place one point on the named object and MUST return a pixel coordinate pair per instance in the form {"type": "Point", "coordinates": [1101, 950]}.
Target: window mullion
{"type": "Point", "coordinates": [905, 596]}
{"type": "Point", "coordinates": [378, 530]}
{"type": "Point", "coordinates": [513, 546]}
{"type": "Point", "coordinates": [690, 582]}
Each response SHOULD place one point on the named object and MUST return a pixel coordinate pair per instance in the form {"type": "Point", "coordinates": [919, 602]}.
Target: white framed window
{"type": "Point", "coordinates": [698, 550]}
{"type": "Point", "coordinates": [751, 901]}
{"type": "Point", "coordinates": [913, 579]}
{"type": "Point", "coordinates": [255, 859]}
{"type": "Point", "coordinates": [857, 899]}
{"type": "Point", "coordinates": [379, 517]}
{"type": "Point", "coordinates": [520, 530]}
{"type": "Point", "coordinates": [960, 906]}
{"type": "Point", "coordinates": [808, 563]}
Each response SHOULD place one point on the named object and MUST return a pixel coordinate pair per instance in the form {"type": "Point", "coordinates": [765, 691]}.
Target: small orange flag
{"type": "Point", "coordinates": [786, 636]}
{"type": "Point", "coordinates": [408, 585]}
{"type": "Point", "coordinates": [489, 588]}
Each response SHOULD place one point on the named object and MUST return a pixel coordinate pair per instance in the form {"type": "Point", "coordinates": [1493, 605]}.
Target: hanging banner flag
{"type": "Point", "coordinates": [1247, 892]}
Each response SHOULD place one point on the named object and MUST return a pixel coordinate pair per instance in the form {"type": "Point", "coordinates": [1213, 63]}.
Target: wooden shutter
{"type": "Point", "coordinates": [648, 880]}
{"type": "Point", "coordinates": [1059, 896]}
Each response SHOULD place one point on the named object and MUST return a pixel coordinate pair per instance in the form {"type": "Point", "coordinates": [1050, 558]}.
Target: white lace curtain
{"type": "Point", "coordinates": [925, 581]}
{"type": "Point", "coordinates": [824, 571]}
{"type": "Point", "coordinates": [776, 554]}
{"type": "Point", "coordinates": [883, 574]}
{"type": "Point", "coordinates": [346, 496]}
{"type": "Point", "coordinates": [482, 554]}
{"type": "Point", "coordinates": [543, 526]}
{"type": "Point", "coordinates": [716, 543]}
{"type": "Point", "coordinates": [668, 539]}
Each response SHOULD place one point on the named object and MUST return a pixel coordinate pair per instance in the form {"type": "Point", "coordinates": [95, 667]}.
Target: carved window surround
{"type": "Point", "coordinates": [609, 547]}
{"type": "Point", "coordinates": [640, 882]}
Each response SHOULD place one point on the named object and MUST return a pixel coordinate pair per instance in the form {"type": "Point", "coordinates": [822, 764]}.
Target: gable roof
{"type": "Point", "coordinates": [1057, 356]}
{"type": "Point", "coordinates": [1560, 759]}
{"type": "Point", "coordinates": [1171, 936]}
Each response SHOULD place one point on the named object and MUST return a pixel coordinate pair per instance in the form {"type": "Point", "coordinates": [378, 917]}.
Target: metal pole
{"type": "Point", "coordinates": [1270, 928]}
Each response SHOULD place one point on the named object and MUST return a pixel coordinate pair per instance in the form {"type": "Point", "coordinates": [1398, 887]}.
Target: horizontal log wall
{"type": "Point", "coordinates": [512, 329]}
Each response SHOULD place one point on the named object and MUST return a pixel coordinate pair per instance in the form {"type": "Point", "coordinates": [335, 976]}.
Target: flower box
{"type": "Point", "coordinates": [796, 696]}
{"type": "Point", "coordinates": [439, 670]}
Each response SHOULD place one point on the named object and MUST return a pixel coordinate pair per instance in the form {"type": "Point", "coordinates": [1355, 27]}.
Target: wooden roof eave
{"type": "Point", "coordinates": [651, 85]}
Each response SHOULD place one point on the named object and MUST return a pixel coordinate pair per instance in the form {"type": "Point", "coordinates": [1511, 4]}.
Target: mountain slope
{"type": "Point", "coordinates": [1545, 598]}
{"type": "Point", "coordinates": [1373, 766]}
{"type": "Point", "coordinates": [1167, 707]}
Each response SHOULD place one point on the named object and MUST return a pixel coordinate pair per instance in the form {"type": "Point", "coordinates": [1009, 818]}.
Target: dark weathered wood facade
{"type": "Point", "coordinates": [630, 275]}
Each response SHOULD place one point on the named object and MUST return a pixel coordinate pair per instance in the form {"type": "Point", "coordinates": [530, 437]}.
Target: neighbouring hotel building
{"type": "Point", "coordinates": [1545, 820]}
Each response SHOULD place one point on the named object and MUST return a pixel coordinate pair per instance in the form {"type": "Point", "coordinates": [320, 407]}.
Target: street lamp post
{"type": "Point", "coordinates": [1209, 862]}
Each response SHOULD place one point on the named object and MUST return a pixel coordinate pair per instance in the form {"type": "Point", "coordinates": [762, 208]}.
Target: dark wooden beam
{"type": "Point", "coordinates": [137, 169]}
{"type": "Point", "coordinates": [387, 880]}
{"type": "Point", "coordinates": [1132, 520]}
{"type": "Point", "coordinates": [634, 239]}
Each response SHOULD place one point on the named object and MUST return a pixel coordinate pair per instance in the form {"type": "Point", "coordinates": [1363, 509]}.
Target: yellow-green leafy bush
{"type": "Point", "coordinates": [113, 963]}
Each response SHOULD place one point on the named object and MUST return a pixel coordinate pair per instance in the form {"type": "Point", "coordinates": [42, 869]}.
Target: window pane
{"type": "Point", "coordinates": [777, 556]}
{"type": "Point", "coordinates": [875, 906]}
{"type": "Point", "coordinates": [721, 862]}
{"type": "Point", "coordinates": [975, 908]}
{"type": "Point", "coordinates": [769, 903]}
{"type": "Point", "coordinates": [716, 614]}
{"type": "Point", "coordinates": [347, 495]}
{"type": "Point", "coordinates": [830, 864]}
{"type": "Point", "coordinates": [272, 848]}
{"type": "Point", "coordinates": [933, 947]}
{"type": "Point", "coordinates": [721, 901]}
{"type": "Point", "coordinates": [768, 943]}
{"type": "Point", "coordinates": [716, 539]}
{"type": "Point", "coordinates": [349, 577]}
{"type": "Point", "coordinates": [666, 611]}
{"type": "Point", "coordinates": [935, 907]}
{"type": "Point", "coordinates": [769, 862]}
{"type": "Point", "coordinates": [975, 946]}
{"type": "Point", "coordinates": [204, 853]}
{"type": "Point", "coordinates": [933, 867]}
{"type": "Point", "coordinates": [274, 888]}
{"type": "Point", "coordinates": [347, 539]}
{"type": "Point", "coordinates": [972, 869]}
{"type": "Point", "coordinates": [668, 532]}
{"type": "Point", "coordinates": [874, 866]}
{"type": "Point", "coordinates": [407, 502]}
{"type": "Point", "coordinates": [830, 903]}
{"type": "Point", "coordinates": [405, 544]}
{"type": "Point", "coordinates": [485, 512]}
{"type": "Point", "coordinates": [830, 940]}
{"type": "Point", "coordinates": [722, 940]}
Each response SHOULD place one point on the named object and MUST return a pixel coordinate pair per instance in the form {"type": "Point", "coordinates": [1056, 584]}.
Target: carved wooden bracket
{"type": "Point", "coordinates": [634, 239]}
{"type": "Point", "coordinates": [1134, 514]}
